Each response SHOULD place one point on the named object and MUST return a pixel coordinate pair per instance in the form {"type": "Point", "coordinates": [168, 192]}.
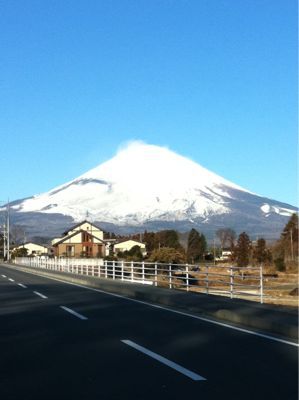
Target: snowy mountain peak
{"type": "Point", "coordinates": [144, 183]}
{"type": "Point", "coordinates": [155, 167]}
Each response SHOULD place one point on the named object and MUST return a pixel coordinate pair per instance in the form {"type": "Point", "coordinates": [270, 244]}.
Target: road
{"type": "Point", "coordinates": [63, 341]}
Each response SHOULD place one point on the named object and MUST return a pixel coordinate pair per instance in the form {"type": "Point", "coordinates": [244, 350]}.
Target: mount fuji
{"type": "Point", "coordinates": [150, 187]}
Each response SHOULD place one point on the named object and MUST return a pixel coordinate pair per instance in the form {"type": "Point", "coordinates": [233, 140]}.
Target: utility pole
{"type": "Point", "coordinates": [4, 241]}
{"type": "Point", "coordinates": [4, 227]}
{"type": "Point", "coordinates": [8, 231]}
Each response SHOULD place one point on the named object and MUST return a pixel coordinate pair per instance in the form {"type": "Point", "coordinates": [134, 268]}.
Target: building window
{"type": "Point", "coordinates": [86, 237]}
{"type": "Point", "coordinates": [70, 251]}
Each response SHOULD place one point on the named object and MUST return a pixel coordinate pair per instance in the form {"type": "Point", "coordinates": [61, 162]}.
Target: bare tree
{"type": "Point", "coordinates": [227, 236]}
{"type": "Point", "coordinates": [17, 235]}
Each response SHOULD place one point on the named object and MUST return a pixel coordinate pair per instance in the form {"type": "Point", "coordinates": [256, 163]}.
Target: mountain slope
{"type": "Point", "coordinates": [146, 185]}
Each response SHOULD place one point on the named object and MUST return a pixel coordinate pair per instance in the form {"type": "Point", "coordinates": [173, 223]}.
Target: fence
{"type": "Point", "coordinates": [246, 282]}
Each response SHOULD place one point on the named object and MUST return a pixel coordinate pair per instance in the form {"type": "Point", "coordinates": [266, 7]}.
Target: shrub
{"type": "Point", "coordinates": [279, 264]}
{"type": "Point", "coordinates": [168, 255]}
{"type": "Point", "coordinates": [110, 258]}
{"type": "Point", "coordinates": [22, 252]}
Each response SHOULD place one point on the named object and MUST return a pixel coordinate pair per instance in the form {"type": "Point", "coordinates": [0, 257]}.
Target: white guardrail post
{"type": "Point", "coordinates": [170, 276]}
{"type": "Point", "coordinates": [156, 274]}
{"type": "Point", "coordinates": [187, 277]}
{"type": "Point", "coordinates": [122, 270]}
{"type": "Point", "coordinates": [207, 279]}
{"type": "Point", "coordinates": [143, 276]}
{"type": "Point", "coordinates": [132, 271]}
{"type": "Point", "coordinates": [261, 284]}
{"type": "Point", "coordinates": [231, 282]}
{"type": "Point", "coordinates": [113, 269]}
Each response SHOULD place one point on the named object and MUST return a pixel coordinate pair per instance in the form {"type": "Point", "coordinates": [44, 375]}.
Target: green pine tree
{"type": "Point", "coordinates": [169, 238]}
{"type": "Point", "coordinates": [151, 241]}
{"type": "Point", "coordinates": [289, 238]}
{"type": "Point", "coordinates": [242, 250]}
{"type": "Point", "coordinates": [196, 246]}
{"type": "Point", "coordinates": [260, 253]}
{"type": "Point", "coordinates": [203, 245]}
{"type": "Point", "coordinates": [193, 246]}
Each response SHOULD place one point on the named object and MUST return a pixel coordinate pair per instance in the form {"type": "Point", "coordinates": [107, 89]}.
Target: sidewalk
{"type": "Point", "coordinates": [268, 318]}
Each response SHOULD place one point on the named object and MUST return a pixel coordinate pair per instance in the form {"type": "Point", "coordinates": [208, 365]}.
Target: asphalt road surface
{"type": "Point", "coordinates": [62, 341]}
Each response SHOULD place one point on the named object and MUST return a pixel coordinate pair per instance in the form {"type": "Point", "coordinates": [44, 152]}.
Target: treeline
{"type": "Point", "coordinates": [284, 252]}
{"type": "Point", "coordinates": [165, 246]}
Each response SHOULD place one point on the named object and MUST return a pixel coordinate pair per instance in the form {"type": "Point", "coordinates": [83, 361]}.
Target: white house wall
{"type": "Point", "coordinates": [127, 246]}
{"type": "Point", "coordinates": [74, 239]}
{"type": "Point", "coordinates": [32, 247]}
{"type": "Point", "coordinates": [85, 226]}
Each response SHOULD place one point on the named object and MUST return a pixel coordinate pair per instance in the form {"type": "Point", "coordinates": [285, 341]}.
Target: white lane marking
{"type": "Point", "coordinates": [165, 361]}
{"type": "Point", "coordinates": [23, 286]}
{"type": "Point", "coordinates": [210, 321]}
{"type": "Point", "coordinates": [40, 295]}
{"type": "Point", "coordinates": [73, 312]}
{"type": "Point", "coordinates": [4, 276]}
{"type": "Point", "coordinates": [11, 280]}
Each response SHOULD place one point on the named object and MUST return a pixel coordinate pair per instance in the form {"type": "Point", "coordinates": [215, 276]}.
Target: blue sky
{"type": "Point", "coordinates": [213, 80]}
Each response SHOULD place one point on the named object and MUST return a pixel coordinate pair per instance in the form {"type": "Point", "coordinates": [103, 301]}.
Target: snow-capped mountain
{"type": "Point", "coordinates": [147, 186]}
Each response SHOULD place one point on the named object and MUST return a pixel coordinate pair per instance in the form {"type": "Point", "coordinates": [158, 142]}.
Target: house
{"type": "Point", "coordinates": [127, 245]}
{"type": "Point", "coordinates": [32, 249]}
{"type": "Point", "coordinates": [82, 240]}
{"type": "Point", "coordinates": [225, 256]}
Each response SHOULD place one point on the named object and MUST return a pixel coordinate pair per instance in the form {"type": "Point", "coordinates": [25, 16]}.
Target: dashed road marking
{"type": "Point", "coordinates": [40, 295]}
{"type": "Point", "coordinates": [23, 286]}
{"type": "Point", "coordinates": [74, 312]}
{"type": "Point", "coordinates": [11, 280]}
{"type": "Point", "coordinates": [165, 361]}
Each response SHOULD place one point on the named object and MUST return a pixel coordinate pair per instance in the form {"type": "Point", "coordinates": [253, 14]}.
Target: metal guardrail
{"type": "Point", "coordinates": [228, 281]}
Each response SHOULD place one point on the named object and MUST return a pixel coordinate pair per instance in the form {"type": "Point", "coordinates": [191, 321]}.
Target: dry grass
{"type": "Point", "coordinates": [277, 285]}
